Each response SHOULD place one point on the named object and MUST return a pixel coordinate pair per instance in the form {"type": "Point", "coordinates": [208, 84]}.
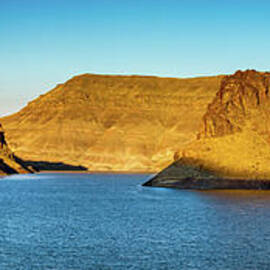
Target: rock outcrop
{"type": "Point", "coordinates": [232, 149]}
{"type": "Point", "coordinates": [9, 163]}
{"type": "Point", "coordinates": [241, 99]}
{"type": "Point", "coordinates": [111, 123]}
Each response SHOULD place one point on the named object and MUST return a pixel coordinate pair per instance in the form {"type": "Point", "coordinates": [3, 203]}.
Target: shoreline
{"type": "Point", "coordinates": [209, 184]}
{"type": "Point", "coordinates": [98, 172]}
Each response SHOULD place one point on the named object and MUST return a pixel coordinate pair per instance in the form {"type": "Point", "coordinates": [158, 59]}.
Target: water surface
{"type": "Point", "coordinates": [102, 221]}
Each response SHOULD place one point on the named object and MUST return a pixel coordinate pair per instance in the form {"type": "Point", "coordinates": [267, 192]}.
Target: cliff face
{"type": "Point", "coordinates": [233, 141]}
{"type": "Point", "coordinates": [9, 163]}
{"type": "Point", "coordinates": [242, 98]}
{"type": "Point", "coordinates": [112, 123]}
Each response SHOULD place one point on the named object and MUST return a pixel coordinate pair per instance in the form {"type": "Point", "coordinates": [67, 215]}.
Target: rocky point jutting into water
{"type": "Point", "coordinates": [111, 123]}
{"type": "Point", "coordinates": [9, 163]}
{"type": "Point", "coordinates": [232, 147]}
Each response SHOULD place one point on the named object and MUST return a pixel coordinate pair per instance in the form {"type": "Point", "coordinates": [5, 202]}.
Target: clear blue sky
{"type": "Point", "coordinates": [45, 42]}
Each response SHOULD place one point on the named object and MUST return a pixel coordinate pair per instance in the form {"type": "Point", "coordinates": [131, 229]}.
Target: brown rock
{"type": "Point", "coordinates": [241, 98]}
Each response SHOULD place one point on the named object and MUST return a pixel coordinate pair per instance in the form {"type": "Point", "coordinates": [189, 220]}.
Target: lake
{"type": "Point", "coordinates": [102, 221]}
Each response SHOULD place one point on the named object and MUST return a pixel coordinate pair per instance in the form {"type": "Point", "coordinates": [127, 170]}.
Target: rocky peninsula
{"type": "Point", "coordinates": [232, 148]}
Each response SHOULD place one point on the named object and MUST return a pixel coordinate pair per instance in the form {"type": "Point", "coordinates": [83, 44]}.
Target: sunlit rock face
{"type": "Point", "coordinates": [112, 123]}
{"type": "Point", "coordinates": [9, 164]}
{"type": "Point", "coordinates": [233, 139]}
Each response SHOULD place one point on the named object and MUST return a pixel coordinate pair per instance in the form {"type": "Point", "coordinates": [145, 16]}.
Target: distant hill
{"type": "Point", "coordinates": [233, 142]}
{"type": "Point", "coordinates": [112, 123]}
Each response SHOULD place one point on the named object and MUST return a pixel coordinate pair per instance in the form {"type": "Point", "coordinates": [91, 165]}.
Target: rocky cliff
{"type": "Point", "coordinates": [113, 123]}
{"type": "Point", "coordinates": [233, 141]}
{"type": "Point", "coordinates": [9, 163]}
{"type": "Point", "coordinates": [243, 99]}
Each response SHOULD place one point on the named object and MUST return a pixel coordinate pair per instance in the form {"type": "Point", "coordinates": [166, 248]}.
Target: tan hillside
{"type": "Point", "coordinates": [233, 141]}
{"type": "Point", "coordinates": [115, 123]}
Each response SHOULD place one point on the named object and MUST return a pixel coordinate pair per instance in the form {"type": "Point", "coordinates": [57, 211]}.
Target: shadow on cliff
{"type": "Point", "coordinates": [38, 166]}
{"type": "Point", "coordinates": [6, 168]}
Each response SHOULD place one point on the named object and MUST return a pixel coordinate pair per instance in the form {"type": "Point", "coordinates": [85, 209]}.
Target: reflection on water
{"type": "Point", "coordinates": [84, 221]}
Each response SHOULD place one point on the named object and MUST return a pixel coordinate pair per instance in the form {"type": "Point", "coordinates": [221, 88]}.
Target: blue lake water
{"type": "Point", "coordinates": [101, 221]}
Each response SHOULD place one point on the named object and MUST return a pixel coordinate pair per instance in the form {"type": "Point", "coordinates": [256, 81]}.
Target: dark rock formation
{"type": "Point", "coordinates": [9, 163]}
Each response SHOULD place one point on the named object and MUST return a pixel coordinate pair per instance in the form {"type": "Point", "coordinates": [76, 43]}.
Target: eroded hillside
{"type": "Point", "coordinates": [115, 123]}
